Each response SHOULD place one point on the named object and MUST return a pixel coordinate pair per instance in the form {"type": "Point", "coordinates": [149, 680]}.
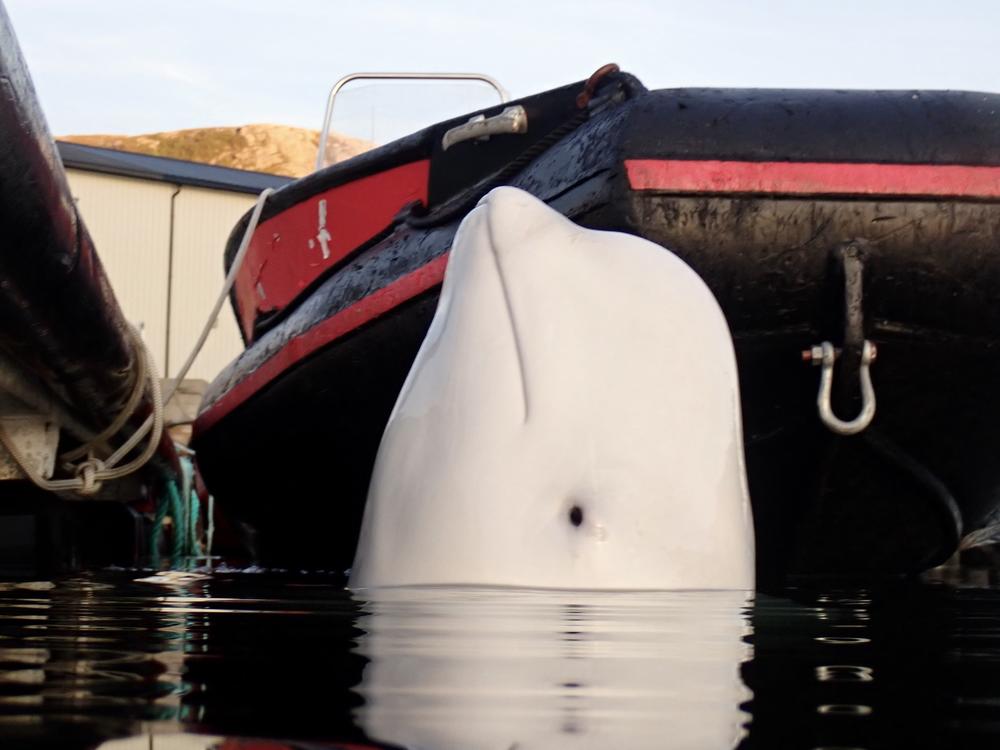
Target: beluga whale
{"type": "Point", "coordinates": [571, 421]}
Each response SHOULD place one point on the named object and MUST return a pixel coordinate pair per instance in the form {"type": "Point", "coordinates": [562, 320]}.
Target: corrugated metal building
{"type": "Point", "coordinates": [160, 226]}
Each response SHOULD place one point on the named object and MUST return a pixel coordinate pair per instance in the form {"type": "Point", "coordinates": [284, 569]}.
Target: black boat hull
{"type": "Point", "coordinates": [771, 246]}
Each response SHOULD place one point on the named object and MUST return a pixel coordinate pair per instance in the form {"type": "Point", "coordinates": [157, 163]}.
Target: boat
{"type": "Point", "coordinates": [82, 444]}
{"type": "Point", "coordinates": [852, 239]}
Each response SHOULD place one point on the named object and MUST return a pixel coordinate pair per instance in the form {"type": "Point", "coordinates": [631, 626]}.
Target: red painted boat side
{"type": "Point", "coordinates": [289, 251]}
{"type": "Point", "coordinates": [363, 311]}
{"type": "Point", "coordinates": [374, 195]}
{"type": "Point", "coordinates": [813, 178]}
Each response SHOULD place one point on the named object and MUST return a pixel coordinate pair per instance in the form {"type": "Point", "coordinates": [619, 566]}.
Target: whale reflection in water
{"type": "Point", "coordinates": [495, 669]}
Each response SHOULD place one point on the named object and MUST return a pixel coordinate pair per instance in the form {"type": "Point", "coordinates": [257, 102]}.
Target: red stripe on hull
{"type": "Point", "coordinates": [294, 351]}
{"type": "Point", "coordinates": [293, 248]}
{"type": "Point", "coordinates": [813, 178]}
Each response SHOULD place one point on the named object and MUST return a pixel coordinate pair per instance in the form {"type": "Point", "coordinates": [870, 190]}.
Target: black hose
{"type": "Point", "coordinates": [943, 501]}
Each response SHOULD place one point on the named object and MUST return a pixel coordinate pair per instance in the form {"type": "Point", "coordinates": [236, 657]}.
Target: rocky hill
{"type": "Point", "coordinates": [277, 149]}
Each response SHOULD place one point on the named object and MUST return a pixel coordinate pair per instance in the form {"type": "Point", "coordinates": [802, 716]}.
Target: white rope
{"type": "Point", "coordinates": [234, 269]}
{"type": "Point", "coordinates": [138, 388]}
{"type": "Point", "coordinates": [210, 531]}
{"type": "Point", "coordinates": [92, 472]}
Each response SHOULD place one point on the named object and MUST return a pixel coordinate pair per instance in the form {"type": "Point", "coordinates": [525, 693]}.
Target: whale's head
{"type": "Point", "coordinates": [572, 420]}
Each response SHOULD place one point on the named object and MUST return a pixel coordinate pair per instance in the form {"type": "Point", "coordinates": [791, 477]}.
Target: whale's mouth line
{"type": "Point", "coordinates": [518, 349]}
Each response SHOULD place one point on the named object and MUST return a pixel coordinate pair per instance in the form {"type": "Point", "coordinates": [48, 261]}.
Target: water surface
{"type": "Point", "coordinates": [120, 654]}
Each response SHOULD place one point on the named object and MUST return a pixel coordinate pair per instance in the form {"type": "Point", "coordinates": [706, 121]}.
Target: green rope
{"type": "Point", "coordinates": [177, 511]}
{"type": "Point", "coordinates": [154, 539]}
{"type": "Point", "coordinates": [195, 514]}
{"type": "Point", "coordinates": [171, 502]}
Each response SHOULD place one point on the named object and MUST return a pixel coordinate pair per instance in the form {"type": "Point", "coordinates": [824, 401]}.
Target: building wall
{"type": "Point", "coordinates": [129, 221]}
{"type": "Point", "coordinates": [203, 220]}
{"type": "Point", "coordinates": [156, 238]}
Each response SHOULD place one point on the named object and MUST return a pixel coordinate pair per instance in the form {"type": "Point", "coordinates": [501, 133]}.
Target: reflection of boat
{"type": "Point", "coordinates": [74, 381]}
{"type": "Point", "coordinates": [494, 668]}
{"type": "Point", "coordinates": [814, 216]}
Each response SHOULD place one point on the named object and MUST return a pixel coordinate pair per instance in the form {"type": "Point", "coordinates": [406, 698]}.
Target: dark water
{"type": "Point", "coordinates": [253, 654]}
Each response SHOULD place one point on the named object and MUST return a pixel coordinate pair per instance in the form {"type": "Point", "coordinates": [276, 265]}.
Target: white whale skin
{"type": "Point", "coordinates": [572, 420]}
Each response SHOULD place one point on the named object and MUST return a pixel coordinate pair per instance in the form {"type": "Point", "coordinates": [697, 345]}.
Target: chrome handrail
{"type": "Point", "coordinates": [328, 116]}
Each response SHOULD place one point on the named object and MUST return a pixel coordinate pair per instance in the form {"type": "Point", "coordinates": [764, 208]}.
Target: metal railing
{"type": "Point", "coordinates": [328, 116]}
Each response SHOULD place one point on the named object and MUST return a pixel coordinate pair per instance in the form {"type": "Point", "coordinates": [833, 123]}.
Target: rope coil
{"type": "Point", "coordinates": [90, 474]}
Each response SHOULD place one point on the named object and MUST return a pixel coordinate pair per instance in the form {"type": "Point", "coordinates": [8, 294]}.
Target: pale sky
{"type": "Point", "coordinates": [133, 66]}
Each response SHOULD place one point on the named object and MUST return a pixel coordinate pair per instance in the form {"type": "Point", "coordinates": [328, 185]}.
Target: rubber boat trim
{"type": "Point", "coordinates": [351, 318]}
{"type": "Point", "coordinates": [813, 178]}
